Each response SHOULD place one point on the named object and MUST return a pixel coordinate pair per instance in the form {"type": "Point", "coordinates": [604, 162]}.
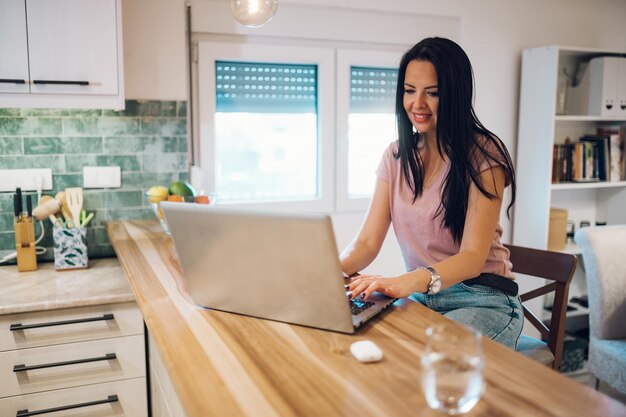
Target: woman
{"type": "Point", "coordinates": [441, 186]}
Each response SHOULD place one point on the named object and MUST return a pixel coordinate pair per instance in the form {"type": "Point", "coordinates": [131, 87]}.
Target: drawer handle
{"type": "Point", "coordinates": [24, 368]}
{"type": "Point", "coordinates": [60, 82]}
{"type": "Point", "coordinates": [19, 326]}
{"type": "Point", "coordinates": [12, 81]}
{"type": "Point", "coordinates": [26, 413]}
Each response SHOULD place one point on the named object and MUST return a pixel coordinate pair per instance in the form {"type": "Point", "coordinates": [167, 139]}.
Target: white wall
{"type": "Point", "coordinates": [493, 33]}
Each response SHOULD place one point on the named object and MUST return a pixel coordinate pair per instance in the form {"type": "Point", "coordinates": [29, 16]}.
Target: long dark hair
{"type": "Point", "coordinates": [461, 137]}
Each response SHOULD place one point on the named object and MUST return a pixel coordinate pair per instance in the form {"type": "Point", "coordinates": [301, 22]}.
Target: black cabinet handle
{"type": "Point", "coordinates": [61, 82]}
{"type": "Point", "coordinates": [19, 326]}
{"type": "Point", "coordinates": [24, 368]}
{"type": "Point", "coordinates": [26, 413]}
{"type": "Point", "coordinates": [12, 81]}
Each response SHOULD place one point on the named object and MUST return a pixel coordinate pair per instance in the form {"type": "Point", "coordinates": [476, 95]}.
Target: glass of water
{"type": "Point", "coordinates": [452, 368]}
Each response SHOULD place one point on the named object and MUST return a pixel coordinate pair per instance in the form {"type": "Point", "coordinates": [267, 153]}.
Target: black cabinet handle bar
{"type": "Point", "coordinates": [26, 413]}
{"type": "Point", "coordinates": [60, 82]}
{"type": "Point", "coordinates": [24, 368]}
{"type": "Point", "coordinates": [12, 81]}
{"type": "Point", "coordinates": [19, 326]}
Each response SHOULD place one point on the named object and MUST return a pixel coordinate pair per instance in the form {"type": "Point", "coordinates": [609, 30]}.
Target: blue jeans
{"type": "Point", "coordinates": [487, 310]}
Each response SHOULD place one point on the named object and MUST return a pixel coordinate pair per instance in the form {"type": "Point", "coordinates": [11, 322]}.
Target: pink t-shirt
{"type": "Point", "coordinates": [422, 237]}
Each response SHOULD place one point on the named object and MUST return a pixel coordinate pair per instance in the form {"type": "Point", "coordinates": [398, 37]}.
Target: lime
{"type": "Point", "coordinates": [182, 189]}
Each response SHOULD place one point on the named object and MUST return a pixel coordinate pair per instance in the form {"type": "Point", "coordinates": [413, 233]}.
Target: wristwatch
{"type": "Point", "coordinates": [434, 286]}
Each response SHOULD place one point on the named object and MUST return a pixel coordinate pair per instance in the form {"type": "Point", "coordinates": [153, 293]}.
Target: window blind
{"type": "Point", "coordinates": [373, 90]}
{"type": "Point", "coordinates": [265, 87]}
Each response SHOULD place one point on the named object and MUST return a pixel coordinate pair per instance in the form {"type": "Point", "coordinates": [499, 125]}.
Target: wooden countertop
{"type": "Point", "coordinates": [224, 364]}
{"type": "Point", "coordinates": [103, 282]}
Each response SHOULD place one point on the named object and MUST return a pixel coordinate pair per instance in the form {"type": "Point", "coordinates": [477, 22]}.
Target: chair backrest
{"type": "Point", "coordinates": [558, 268]}
{"type": "Point", "coordinates": [604, 256]}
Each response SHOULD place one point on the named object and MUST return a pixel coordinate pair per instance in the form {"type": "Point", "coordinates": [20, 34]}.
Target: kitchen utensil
{"type": "Point", "coordinates": [74, 200]}
{"type": "Point", "coordinates": [47, 207]}
{"type": "Point", "coordinates": [64, 209]}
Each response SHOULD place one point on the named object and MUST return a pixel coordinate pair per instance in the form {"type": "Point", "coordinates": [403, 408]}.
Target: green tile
{"type": "Point", "coordinates": [142, 213]}
{"type": "Point", "coordinates": [54, 162]}
{"type": "Point", "coordinates": [145, 180]}
{"type": "Point", "coordinates": [63, 181]}
{"type": "Point", "coordinates": [167, 127]}
{"type": "Point", "coordinates": [62, 112]}
{"type": "Point", "coordinates": [75, 163]}
{"type": "Point", "coordinates": [183, 176]}
{"type": "Point", "coordinates": [100, 251]}
{"type": "Point", "coordinates": [100, 237]}
{"type": "Point", "coordinates": [6, 202]}
{"type": "Point", "coordinates": [100, 126]}
{"type": "Point", "coordinates": [165, 162]}
{"type": "Point", "coordinates": [138, 108]}
{"type": "Point", "coordinates": [182, 144]}
{"type": "Point", "coordinates": [96, 199]}
{"type": "Point", "coordinates": [14, 126]}
{"type": "Point", "coordinates": [182, 109]}
{"type": "Point", "coordinates": [7, 242]}
{"type": "Point", "coordinates": [9, 112]}
{"type": "Point", "coordinates": [10, 145]}
{"type": "Point", "coordinates": [6, 222]}
{"type": "Point", "coordinates": [140, 144]}
{"type": "Point", "coordinates": [64, 145]}
{"type": "Point", "coordinates": [168, 108]}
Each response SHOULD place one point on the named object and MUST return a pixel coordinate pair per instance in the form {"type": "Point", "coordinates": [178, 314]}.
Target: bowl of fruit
{"type": "Point", "coordinates": [178, 192]}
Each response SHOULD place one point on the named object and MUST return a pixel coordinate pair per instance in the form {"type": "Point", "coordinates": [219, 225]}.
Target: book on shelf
{"type": "Point", "coordinates": [595, 157]}
{"type": "Point", "coordinates": [616, 134]}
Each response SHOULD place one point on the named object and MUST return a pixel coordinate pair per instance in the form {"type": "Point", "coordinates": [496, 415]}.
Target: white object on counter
{"type": "Point", "coordinates": [366, 351]}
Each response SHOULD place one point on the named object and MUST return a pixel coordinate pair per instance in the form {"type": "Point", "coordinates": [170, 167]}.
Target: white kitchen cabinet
{"type": "Point", "coordinates": [539, 129]}
{"type": "Point", "coordinates": [13, 47]}
{"type": "Point", "coordinates": [72, 50]}
{"type": "Point", "coordinates": [88, 359]}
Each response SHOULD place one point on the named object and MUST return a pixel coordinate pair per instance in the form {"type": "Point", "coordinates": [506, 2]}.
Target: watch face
{"type": "Point", "coordinates": [436, 285]}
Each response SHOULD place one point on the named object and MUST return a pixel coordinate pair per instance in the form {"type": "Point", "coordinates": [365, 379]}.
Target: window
{"type": "Point", "coordinates": [265, 131]}
{"type": "Point", "coordinates": [266, 117]}
{"type": "Point", "coordinates": [365, 121]}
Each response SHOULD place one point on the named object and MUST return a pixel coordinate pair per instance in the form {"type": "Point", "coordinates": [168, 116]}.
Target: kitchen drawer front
{"type": "Point", "coordinates": [89, 364]}
{"type": "Point", "coordinates": [130, 395]}
{"type": "Point", "coordinates": [126, 321]}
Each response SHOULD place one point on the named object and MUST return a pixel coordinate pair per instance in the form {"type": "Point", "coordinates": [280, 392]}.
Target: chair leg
{"type": "Point", "coordinates": [597, 384]}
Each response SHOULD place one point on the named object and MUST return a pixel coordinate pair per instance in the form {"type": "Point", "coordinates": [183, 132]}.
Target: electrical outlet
{"type": "Point", "coordinates": [26, 179]}
{"type": "Point", "coordinates": [102, 177]}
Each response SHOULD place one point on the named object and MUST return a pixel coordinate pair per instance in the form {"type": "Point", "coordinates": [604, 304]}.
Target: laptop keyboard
{"type": "Point", "coordinates": [358, 306]}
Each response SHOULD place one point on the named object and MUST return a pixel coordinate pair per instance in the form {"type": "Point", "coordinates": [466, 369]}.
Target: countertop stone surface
{"type": "Point", "coordinates": [103, 282]}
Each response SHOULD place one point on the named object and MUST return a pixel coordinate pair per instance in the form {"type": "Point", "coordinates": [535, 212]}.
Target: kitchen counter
{"type": "Point", "coordinates": [103, 282]}
{"type": "Point", "coordinates": [223, 364]}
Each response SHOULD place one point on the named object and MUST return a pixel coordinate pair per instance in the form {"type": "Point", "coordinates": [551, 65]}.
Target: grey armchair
{"type": "Point", "coordinates": [604, 257]}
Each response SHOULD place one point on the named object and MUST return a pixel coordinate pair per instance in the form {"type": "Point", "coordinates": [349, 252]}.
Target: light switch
{"type": "Point", "coordinates": [102, 177]}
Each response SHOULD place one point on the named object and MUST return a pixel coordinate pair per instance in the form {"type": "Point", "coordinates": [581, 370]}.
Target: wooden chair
{"type": "Point", "coordinates": [558, 268]}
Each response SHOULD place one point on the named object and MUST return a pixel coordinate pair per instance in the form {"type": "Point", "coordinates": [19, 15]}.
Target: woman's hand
{"type": "Point", "coordinates": [398, 287]}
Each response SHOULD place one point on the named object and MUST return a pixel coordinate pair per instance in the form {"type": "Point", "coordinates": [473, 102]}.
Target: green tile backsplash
{"type": "Point", "coordinates": [148, 140]}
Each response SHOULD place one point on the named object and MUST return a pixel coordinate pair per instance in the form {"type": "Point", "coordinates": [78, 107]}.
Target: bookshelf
{"type": "Point", "coordinates": [540, 128]}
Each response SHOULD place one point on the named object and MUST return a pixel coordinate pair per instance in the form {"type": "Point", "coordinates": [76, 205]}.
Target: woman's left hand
{"type": "Point", "coordinates": [399, 287]}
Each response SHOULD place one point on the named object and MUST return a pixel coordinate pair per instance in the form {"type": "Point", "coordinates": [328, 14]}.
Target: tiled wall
{"type": "Point", "coordinates": [147, 140]}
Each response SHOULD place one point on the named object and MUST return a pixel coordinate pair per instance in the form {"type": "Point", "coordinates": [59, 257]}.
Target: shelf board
{"type": "Point", "coordinates": [581, 118]}
{"type": "Point", "coordinates": [587, 185]}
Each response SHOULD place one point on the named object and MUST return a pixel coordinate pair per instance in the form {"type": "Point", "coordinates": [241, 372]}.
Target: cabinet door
{"type": "Point", "coordinates": [13, 47]}
{"type": "Point", "coordinates": [73, 46]}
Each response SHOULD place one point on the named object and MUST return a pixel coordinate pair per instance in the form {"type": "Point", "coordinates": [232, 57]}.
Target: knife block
{"type": "Point", "coordinates": [25, 245]}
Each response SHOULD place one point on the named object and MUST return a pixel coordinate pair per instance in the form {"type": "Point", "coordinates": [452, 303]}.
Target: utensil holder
{"type": "Point", "coordinates": [70, 248]}
{"type": "Point", "coordinates": [25, 245]}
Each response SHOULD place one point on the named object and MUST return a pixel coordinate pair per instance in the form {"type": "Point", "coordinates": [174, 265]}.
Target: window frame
{"type": "Point", "coordinates": [347, 58]}
{"type": "Point", "coordinates": [211, 51]}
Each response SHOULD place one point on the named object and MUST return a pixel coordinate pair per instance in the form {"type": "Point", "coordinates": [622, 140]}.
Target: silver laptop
{"type": "Point", "coordinates": [282, 267]}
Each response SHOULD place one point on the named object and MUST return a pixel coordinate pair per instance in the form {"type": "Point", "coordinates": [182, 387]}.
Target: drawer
{"type": "Point", "coordinates": [51, 327]}
{"type": "Point", "coordinates": [127, 398]}
{"type": "Point", "coordinates": [71, 365]}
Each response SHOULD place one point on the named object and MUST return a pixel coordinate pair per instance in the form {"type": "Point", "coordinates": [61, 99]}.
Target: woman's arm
{"type": "Point", "coordinates": [481, 220]}
{"type": "Point", "coordinates": [365, 247]}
